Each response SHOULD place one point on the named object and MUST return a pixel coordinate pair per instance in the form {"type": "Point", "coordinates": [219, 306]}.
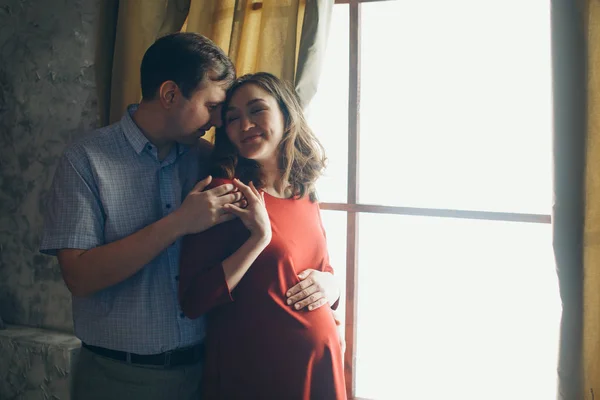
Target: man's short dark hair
{"type": "Point", "coordinates": [188, 59]}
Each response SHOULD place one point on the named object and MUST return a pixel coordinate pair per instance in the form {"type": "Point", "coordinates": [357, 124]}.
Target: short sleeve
{"type": "Point", "coordinates": [73, 213]}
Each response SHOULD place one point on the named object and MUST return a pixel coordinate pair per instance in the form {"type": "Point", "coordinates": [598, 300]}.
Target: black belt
{"type": "Point", "coordinates": [185, 356]}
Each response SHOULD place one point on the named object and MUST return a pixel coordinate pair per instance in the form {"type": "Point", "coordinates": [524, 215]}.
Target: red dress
{"type": "Point", "coordinates": [258, 347]}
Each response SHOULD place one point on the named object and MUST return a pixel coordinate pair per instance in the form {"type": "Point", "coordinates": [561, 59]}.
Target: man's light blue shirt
{"type": "Point", "coordinates": [107, 186]}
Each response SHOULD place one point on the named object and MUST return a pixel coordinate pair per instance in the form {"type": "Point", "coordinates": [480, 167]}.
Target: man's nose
{"type": "Point", "coordinates": [215, 118]}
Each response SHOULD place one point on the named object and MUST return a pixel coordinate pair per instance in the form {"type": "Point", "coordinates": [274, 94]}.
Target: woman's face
{"type": "Point", "coordinates": [254, 123]}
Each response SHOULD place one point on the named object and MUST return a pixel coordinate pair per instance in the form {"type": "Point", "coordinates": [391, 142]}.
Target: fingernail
{"type": "Point", "coordinates": [288, 294]}
{"type": "Point", "coordinates": [310, 307]}
{"type": "Point", "coordinates": [289, 301]}
{"type": "Point", "coordinates": [297, 306]}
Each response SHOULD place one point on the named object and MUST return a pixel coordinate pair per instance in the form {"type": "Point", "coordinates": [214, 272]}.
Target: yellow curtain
{"type": "Point", "coordinates": [268, 35]}
{"type": "Point", "coordinates": [138, 24]}
{"type": "Point", "coordinates": [257, 35]}
{"type": "Point", "coordinates": [591, 251]}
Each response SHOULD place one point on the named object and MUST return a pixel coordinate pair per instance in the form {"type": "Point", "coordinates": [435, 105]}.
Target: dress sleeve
{"type": "Point", "coordinates": [202, 283]}
{"type": "Point", "coordinates": [326, 265]}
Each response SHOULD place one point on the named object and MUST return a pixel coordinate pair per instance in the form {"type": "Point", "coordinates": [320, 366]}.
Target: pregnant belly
{"type": "Point", "coordinates": [306, 331]}
{"type": "Point", "coordinates": [280, 352]}
{"type": "Point", "coordinates": [270, 321]}
{"type": "Point", "coordinates": [291, 341]}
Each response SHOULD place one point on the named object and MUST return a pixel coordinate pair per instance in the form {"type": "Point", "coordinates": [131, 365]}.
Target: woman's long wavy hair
{"type": "Point", "coordinates": [301, 155]}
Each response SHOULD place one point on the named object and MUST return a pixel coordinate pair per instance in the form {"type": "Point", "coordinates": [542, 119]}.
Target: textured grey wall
{"type": "Point", "coordinates": [36, 364]}
{"type": "Point", "coordinates": [47, 98]}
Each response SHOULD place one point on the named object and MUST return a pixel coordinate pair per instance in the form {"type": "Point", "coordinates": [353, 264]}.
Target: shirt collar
{"type": "Point", "coordinates": [135, 136]}
{"type": "Point", "coordinates": [132, 132]}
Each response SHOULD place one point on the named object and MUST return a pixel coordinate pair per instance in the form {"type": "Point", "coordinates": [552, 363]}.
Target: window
{"type": "Point", "coordinates": [436, 117]}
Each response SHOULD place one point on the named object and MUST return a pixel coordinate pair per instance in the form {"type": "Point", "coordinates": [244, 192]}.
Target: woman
{"type": "Point", "coordinates": [258, 346]}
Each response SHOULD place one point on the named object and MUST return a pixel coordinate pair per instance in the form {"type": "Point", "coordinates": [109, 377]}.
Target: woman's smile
{"type": "Point", "coordinates": [252, 138]}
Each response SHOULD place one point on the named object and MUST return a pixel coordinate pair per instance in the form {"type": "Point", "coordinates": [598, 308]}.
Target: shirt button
{"type": "Point", "coordinates": [177, 278]}
{"type": "Point", "coordinates": [182, 315]}
{"type": "Point", "coordinates": [168, 206]}
{"type": "Point", "coordinates": [149, 147]}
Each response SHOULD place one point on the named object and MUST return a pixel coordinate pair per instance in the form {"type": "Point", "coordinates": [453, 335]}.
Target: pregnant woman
{"type": "Point", "coordinates": [238, 273]}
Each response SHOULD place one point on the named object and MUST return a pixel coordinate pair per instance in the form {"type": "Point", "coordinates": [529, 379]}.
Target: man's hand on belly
{"type": "Point", "coordinates": [315, 289]}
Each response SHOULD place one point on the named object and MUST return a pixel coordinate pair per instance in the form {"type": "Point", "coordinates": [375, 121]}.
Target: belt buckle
{"type": "Point", "coordinates": [168, 359]}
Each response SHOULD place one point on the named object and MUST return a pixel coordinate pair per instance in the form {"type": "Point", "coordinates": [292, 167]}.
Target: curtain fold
{"type": "Point", "coordinates": [313, 45]}
{"type": "Point", "coordinates": [105, 48]}
{"type": "Point", "coordinates": [284, 37]}
{"type": "Point", "coordinates": [591, 250]}
{"type": "Point", "coordinates": [569, 61]}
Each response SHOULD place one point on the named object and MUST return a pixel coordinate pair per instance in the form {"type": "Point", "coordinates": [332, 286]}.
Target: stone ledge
{"type": "Point", "coordinates": [36, 363]}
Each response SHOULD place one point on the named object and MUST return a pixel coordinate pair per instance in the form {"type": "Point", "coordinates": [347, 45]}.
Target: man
{"type": "Point", "coordinates": [114, 218]}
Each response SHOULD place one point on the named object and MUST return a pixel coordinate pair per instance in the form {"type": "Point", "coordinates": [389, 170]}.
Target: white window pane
{"type": "Point", "coordinates": [328, 111]}
{"type": "Point", "coordinates": [456, 105]}
{"type": "Point", "coordinates": [335, 223]}
{"type": "Point", "coordinates": [456, 309]}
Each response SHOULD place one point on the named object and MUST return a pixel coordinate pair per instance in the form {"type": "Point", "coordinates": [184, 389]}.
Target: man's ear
{"type": "Point", "coordinates": [169, 94]}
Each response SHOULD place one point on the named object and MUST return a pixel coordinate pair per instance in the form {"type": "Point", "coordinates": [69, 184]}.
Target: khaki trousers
{"type": "Point", "coordinates": [101, 378]}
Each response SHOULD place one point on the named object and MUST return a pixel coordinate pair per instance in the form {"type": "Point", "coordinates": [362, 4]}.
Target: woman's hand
{"type": "Point", "coordinates": [315, 289]}
{"type": "Point", "coordinates": [254, 216]}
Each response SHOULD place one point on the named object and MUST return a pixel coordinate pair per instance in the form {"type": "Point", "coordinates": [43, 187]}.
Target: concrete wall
{"type": "Point", "coordinates": [47, 98]}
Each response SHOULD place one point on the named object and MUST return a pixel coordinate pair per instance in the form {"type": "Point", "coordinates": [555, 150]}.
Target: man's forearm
{"type": "Point", "coordinates": [88, 271]}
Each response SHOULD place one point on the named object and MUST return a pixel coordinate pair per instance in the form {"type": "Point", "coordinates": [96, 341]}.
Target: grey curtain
{"type": "Point", "coordinates": [313, 42]}
{"type": "Point", "coordinates": [569, 92]}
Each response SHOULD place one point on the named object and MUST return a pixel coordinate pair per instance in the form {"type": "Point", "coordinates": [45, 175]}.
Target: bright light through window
{"type": "Point", "coordinates": [455, 309]}
{"type": "Point", "coordinates": [328, 111]}
{"type": "Point", "coordinates": [455, 114]}
{"type": "Point", "coordinates": [456, 105]}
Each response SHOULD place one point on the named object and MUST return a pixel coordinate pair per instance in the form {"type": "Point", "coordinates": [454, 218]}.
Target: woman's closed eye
{"type": "Point", "coordinates": [257, 110]}
{"type": "Point", "coordinates": [231, 118]}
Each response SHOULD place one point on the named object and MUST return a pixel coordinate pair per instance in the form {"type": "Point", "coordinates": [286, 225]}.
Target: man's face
{"type": "Point", "coordinates": [192, 117]}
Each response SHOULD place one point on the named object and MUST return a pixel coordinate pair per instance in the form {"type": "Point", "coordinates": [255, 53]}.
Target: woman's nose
{"type": "Point", "coordinates": [246, 123]}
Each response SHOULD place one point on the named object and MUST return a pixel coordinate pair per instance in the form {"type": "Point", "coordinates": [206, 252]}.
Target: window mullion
{"type": "Point", "coordinates": [352, 217]}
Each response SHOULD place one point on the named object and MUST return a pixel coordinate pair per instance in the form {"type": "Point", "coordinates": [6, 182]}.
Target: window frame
{"type": "Point", "coordinates": [353, 207]}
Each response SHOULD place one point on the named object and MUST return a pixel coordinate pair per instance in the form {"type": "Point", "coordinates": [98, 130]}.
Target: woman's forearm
{"type": "Point", "coordinates": [236, 265]}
